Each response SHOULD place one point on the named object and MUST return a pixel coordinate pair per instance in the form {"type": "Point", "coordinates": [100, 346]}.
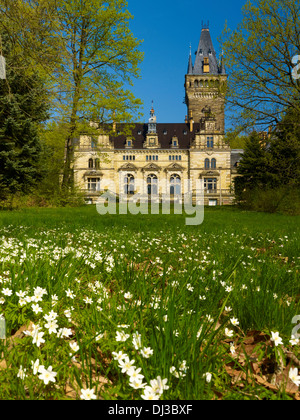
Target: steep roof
{"type": "Point", "coordinates": [190, 65]}
{"type": "Point", "coordinates": [205, 49]}
{"type": "Point", "coordinates": [165, 132]}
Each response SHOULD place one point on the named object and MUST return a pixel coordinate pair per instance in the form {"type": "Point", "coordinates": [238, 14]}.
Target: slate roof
{"type": "Point", "coordinates": [205, 49]}
{"type": "Point", "coordinates": [165, 132]}
{"type": "Point", "coordinates": [236, 155]}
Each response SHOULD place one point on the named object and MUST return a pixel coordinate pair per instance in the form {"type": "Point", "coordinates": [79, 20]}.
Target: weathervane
{"type": "Point", "coordinates": [205, 25]}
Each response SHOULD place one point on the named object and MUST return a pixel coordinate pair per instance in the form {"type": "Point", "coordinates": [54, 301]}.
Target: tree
{"type": "Point", "coordinates": [89, 54]}
{"type": "Point", "coordinates": [285, 151]}
{"type": "Point", "coordinates": [253, 170]}
{"type": "Point", "coordinates": [23, 107]}
{"type": "Point", "coordinates": [260, 57]}
{"type": "Point", "coordinates": [269, 171]}
{"type": "Point", "coordinates": [52, 137]}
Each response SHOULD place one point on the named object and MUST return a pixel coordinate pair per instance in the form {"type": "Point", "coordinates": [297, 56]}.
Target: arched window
{"type": "Point", "coordinates": [213, 164]}
{"type": "Point", "coordinates": [196, 83]}
{"type": "Point", "coordinates": [206, 164]}
{"type": "Point", "coordinates": [97, 163]}
{"type": "Point", "coordinates": [175, 184]}
{"type": "Point", "coordinates": [152, 184]}
{"type": "Point", "coordinates": [129, 184]}
{"type": "Point", "coordinates": [91, 163]}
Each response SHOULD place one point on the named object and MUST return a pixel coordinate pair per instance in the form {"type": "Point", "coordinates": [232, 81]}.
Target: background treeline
{"type": "Point", "coordinates": [262, 57]}
{"type": "Point", "coordinates": [67, 64]}
{"type": "Point", "coordinates": [269, 171]}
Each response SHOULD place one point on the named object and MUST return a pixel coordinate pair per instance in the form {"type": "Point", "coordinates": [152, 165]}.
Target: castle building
{"type": "Point", "coordinates": [161, 157]}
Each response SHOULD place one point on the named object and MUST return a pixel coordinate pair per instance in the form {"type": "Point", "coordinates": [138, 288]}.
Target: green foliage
{"type": "Point", "coordinates": [89, 57]}
{"type": "Point", "coordinates": [258, 59]}
{"type": "Point", "coordinates": [253, 169]}
{"type": "Point", "coordinates": [285, 199]}
{"type": "Point", "coordinates": [52, 158]}
{"type": "Point", "coordinates": [269, 171]}
{"type": "Point", "coordinates": [235, 139]}
{"type": "Point", "coordinates": [23, 106]}
{"type": "Point", "coordinates": [285, 150]}
{"type": "Point", "coordinates": [173, 287]}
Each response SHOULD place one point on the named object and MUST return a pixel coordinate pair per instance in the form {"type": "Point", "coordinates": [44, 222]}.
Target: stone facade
{"type": "Point", "coordinates": [158, 158]}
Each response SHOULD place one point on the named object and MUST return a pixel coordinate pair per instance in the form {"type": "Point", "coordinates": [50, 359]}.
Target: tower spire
{"type": "Point", "coordinates": [222, 67]}
{"type": "Point", "coordinates": [205, 99]}
{"type": "Point", "coordinates": [206, 58]}
{"type": "Point", "coordinates": [190, 65]}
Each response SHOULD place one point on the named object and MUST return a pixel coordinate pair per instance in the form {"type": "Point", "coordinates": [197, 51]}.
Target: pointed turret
{"type": "Point", "coordinates": [222, 66]}
{"type": "Point", "coordinates": [190, 65]}
{"type": "Point", "coordinates": [206, 59]}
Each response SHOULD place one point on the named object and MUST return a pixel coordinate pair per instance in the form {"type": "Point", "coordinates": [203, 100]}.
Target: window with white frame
{"type": "Point", "coordinates": [210, 184]}
{"type": "Point", "coordinates": [175, 184]}
{"type": "Point", "coordinates": [152, 184]}
{"type": "Point", "coordinates": [129, 184]}
{"type": "Point", "coordinates": [93, 184]}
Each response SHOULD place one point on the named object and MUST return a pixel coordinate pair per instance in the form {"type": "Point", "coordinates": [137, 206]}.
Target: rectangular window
{"type": "Point", "coordinates": [210, 142]}
{"type": "Point", "coordinates": [212, 202]}
{"type": "Point", "coordinates": [94, 184]}
{"type": "Point", "coordinates": [210, 184]}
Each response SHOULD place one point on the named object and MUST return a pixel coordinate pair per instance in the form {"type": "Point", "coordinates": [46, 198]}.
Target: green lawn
{"type": "Point", "coordinates": [144, 307]}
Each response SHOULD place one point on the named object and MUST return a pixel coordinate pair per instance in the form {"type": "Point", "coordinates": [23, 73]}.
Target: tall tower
{"type": "Point", "coordinates": [205, 84]}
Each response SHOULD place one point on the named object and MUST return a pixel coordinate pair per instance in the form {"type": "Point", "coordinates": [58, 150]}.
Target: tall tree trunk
{"type": "Point", "coordinates": [68, 174]}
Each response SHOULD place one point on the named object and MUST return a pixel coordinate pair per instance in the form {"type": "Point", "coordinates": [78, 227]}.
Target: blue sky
{"type": "Point", "coordinates": [168, 27]}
